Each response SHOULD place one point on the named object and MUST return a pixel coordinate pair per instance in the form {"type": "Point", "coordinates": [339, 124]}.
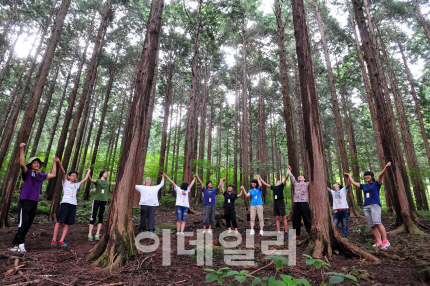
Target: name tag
{"type": "Point", "coordinates": [210, 200]}
{"type": "Point", "coordinates": [367, 195]}
{"type": "Point", "coordinates": [103, 191]}
{"type": "Point", "coordinates": [276, 197]}
{"type": "Point", "coordinates": [228, 200]}
{"type": "Point", "coordinates": [256, 197]}
{"type": "Point", "coordinates": [339, 200]}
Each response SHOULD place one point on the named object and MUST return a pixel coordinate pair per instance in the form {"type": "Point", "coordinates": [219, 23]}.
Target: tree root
{"type": "Point", "coordinates": [192, 211]}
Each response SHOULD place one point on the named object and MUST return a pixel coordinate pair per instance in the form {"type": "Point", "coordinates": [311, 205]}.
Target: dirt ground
{"type": "Point", "coordinates": [406, 262]}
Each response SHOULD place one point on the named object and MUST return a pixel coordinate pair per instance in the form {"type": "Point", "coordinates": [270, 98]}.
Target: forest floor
{"type": "Point", "coordinates": [402, 264]}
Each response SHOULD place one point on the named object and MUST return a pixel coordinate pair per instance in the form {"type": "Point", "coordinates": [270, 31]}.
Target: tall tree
{"type": "Point", "coordinates": [323, 234]}
{"type": "Point", "coordinates": [406, 219]}
{"type": "Point", "coordinates": [293, 152]}
{"type": "Point", "coordinates": [86, 92]}
{"type": "Point", "coordinates": [117, 245]}
{"type": "Point", "coordinates": [30, 113]}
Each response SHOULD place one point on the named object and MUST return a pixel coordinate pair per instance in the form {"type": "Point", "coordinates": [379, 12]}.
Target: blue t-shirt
{"type": "Point", "coordinates": [371, 193]}
{"type": "Point", "coordinates": [256, 197]}
{"type": "Point", "coordinates": [209, 194]}
{"type": "Point", "coordinates": [228, 197]}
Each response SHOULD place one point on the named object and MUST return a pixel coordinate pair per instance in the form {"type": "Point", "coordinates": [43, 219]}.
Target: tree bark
{"type": "Point", "coordinates": [245, 168]}
{"type": "Point", "coordinates": [236, 132]}
{"type": "Point", "coordinates": [209, 157]}
{"type": "Point", "coordinates": [117, 245]}
{"type": "Point", "coordinates": [30, 113]}
{"type": "Point", "coordinates": [202, 136]}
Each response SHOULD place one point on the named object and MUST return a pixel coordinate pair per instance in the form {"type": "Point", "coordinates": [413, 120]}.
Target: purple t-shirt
{"type": "Point", "coordinates": [209, 194]}
{"type": "Point", "coordinates": [32, 185]}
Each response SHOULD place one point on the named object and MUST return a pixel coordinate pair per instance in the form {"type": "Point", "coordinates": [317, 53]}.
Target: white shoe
{"type": "Point", "coordinates": [252, 232]}
{"type": "Point", "coordinates": [261, 232]}
{"type": "Point", "coordinates": [210, 231]}
{"type": "Point", "coordinates": [18, 248]}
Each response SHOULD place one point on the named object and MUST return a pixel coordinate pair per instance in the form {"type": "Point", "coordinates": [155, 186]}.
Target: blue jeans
{"type": "Point", "coordinates": [341, 216]}
{"type": "Point", "coordinates": [181, 213]}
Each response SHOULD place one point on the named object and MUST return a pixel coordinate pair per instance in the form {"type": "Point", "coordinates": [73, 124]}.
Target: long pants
{"type": "Point", "coordinates": [209, 215]}
{"type": "Point", "coordinates": [341, 216]}
{"type": "Point", "coordinates": [301, 210]}
{"type": "Point", "coordinates": [230, 217]}
{"type": "Point", "coordinates": [27, 212]}
{"type": "Point", "coordinates": [257, 210]}
{"type": "Point", "coordinates": [98, 206]}
{"type": "Point", "coordinates": [147, 213]}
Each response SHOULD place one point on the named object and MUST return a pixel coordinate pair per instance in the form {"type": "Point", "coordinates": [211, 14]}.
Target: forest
{"type": "Point", "coordinates": [232, 92]}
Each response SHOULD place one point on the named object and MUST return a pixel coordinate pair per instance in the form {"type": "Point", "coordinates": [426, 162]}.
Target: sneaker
{"type": "Point", "coordinates": [252, 232]}
{"type": "Point", "coordinates": [97, 237]}
{"type": "Point", "coordinates": [236, 232]}
{"type": "Point", "coordinates": [285, 234]}
{"type": "Point", "coordinates": [18, 248]}
{"type": "Point", "coordinates": [90, 237]}
{"type": "Point", "coordinates": [229, 231]}
{"type": "Point", "coordinates": [61, 243]}
{"type": "Point", "coordinates": [204, 231]}
{"type": "Point", "coordinates": [385, 244]}
{"type": "Point", "coordinates": [182, 234]}
{"type": "Point", "coordinates": [377, 244]}
{"type": "Point", "coordinates": [261, 232]}
{"type": "Point", "coordinates": [54, 243]}
{"type": "Point", "coordinates": [210, 231]}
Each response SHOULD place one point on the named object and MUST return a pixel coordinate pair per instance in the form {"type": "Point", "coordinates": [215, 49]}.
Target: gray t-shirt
{"type": "Point", "coordinates": [339, 199]}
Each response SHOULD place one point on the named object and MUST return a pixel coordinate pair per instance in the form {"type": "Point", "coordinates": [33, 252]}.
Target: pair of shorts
{"type": "Point", "coordinates": [279, 207]}
{"type": "Point", "coordinates": [67, 214]}
{"type": "Point", "coordinates": [372, 214]}
{"type": "Point", "coordinates": [181, 213]}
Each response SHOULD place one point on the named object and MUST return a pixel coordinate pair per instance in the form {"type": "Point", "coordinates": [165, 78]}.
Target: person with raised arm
{"type": "Point", "coordinates": [67, 213]}
{"type": "Point", "coordinates": [229, 210]}
{"type": "Point", "coordinates": [372, 205]}
{"type": "Point", "coordinates": [182, 204]}
{"type": "Point", "coordinates": [99, 203]}
{"type": "Point", "coordinates": [301, 207]}
{"type": "Point", "coordinates": [340, 206]}
{"type": "Point", "coordinates": [278, 202]}
{"type": "Point", "coordinates": [209, 203]}
{"type": "Point", "coordinates": [256, 204]}
{"type": "Point", "coordinates": [148, 202]}
{"type": "Point", "coordinates": [29, 196]}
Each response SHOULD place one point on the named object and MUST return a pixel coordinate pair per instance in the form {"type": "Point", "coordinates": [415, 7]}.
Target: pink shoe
{"type": "Point", "coordinates": [385, 244]}
{"type": "Point", "coordinates": [377, 244]}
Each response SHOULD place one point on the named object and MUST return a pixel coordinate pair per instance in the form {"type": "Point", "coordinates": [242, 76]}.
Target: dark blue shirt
{"type": "Point", "coordinates": [230, 197]}
{"type": "Point", "coordinates": [209, 194]}
{"type": "Point", "coordinates": [371, 193]}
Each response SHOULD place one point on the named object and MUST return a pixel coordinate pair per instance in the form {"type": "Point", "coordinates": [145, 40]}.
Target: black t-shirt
{"type": "Point", "coordinates": [278, 191]}
{"type": "Point", "coordinates": [227, 198]}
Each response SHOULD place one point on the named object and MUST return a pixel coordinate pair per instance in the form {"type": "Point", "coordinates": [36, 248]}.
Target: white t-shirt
{"type": "Point", "coordinates": [70, 190]}
{"type": "Point", "coordinates": [182, 199]}
{"type": "Point", "coordinates": [339, 199]}
{"type": "Point", "coordinates": [149, 194]}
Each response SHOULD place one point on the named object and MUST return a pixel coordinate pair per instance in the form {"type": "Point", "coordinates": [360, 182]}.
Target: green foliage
{"type": "Point", "coordinates": [318, 263]}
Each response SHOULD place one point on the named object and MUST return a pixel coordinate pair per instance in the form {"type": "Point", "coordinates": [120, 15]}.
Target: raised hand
{"type": "Point", "coordinates": [22, 145]}
{"type": "Point", "coordinates": [88, 170]}
{"type": "Point", "coordinates": [289, 168]}
{"type": "Point", "coordinates": [388, 164]}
